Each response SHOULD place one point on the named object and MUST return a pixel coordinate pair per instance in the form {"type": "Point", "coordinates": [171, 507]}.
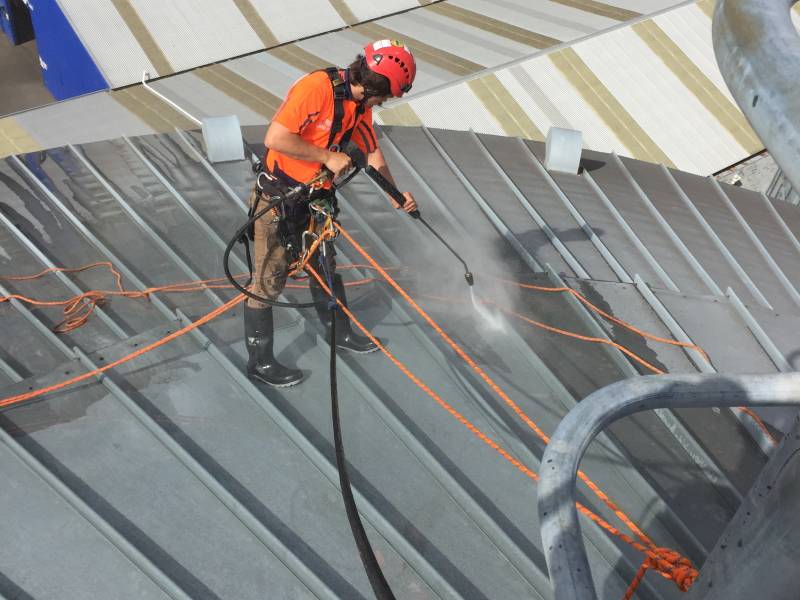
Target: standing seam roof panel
{"type": "Point", "coordinates": [638, 216]}
{"type": "Point", "coordinates": [687, 227]}
{"type": "Point", "coordinates": [752, 206]}
{"type": "Point", "coordinates": [738, 242]}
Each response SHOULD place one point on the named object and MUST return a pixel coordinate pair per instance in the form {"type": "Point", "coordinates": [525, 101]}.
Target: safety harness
{"type": "Point", "coordinates": [274, 184]}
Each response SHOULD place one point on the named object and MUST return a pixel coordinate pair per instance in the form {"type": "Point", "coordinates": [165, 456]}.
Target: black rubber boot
{"type": "Point", "coordinates": [262, 365]}
{"type": "Point", "coordinates": [346, 338]}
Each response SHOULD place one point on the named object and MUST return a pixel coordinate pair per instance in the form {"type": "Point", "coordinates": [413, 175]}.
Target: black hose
{"type": "Point", "coordinates": [226, 263]}
{"type": "Point", "coordinates": [376, 578]}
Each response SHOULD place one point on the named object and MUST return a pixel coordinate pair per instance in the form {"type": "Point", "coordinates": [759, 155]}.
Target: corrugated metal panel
{"type": "Point", "coordinates": [207, 31]}
{"type": "Point", "coordinates": [480, 45]}
{"type": "Point", "coordinates": [654, 96]}
{"type": "Point", "coordinates": [85, 119]}
{"type": "Point", "coordinates": [643, 6]}
{"type": "Point", "coordinates": [188, 86]}
{"type": "Point", "coordinates": [578, 113]}
{"type": "Point", "coordinates": [266, 71]}
{"type": "Point", "coordinates": [301, 19]}
{"type": "Point", "coordinates": [365, 10]}
{"type": "Point", "coordinates": [549, 18]}
{"type": "Point", "coordinates": [424, 26]}
{"type": "Point", "coordinates": [695, 138]}
{"type": "Point", "coordinates": [109, 40]}
{"type": "Point", "coordinates": [692, 33]}
{"type": "Point", "coordinates": [464, 110]}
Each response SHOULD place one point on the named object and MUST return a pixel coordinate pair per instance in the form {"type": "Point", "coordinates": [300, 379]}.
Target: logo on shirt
{"type": "Point", "coordinates": [324, 125]}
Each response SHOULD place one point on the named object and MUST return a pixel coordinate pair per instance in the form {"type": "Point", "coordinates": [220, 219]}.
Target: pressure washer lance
{"type": "Point", "coordinates": [390, 189]}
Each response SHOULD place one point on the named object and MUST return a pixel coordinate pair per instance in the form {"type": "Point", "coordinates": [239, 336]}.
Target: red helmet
{"type": "Point", "coordinates": [394, 61]}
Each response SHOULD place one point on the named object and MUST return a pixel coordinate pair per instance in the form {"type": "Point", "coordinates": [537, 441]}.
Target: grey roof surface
{"type": "Point", "coordinates": [175, 476]}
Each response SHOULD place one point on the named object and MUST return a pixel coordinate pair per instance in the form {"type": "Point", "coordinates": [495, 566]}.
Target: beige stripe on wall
{"type": "Point", "coordinates": [258, 24]}
{"type": "Point", "coordinates": [14, 139]}
{"type": "Point", "coordinates": [156, 113]}
{"type": "Point", "coordinates": [613, 114]}
{"type": "Point", "coordinates": [422, 51]}
{"type": "Point", "coordinates": [600, 9]}
{"type": "Point", "coordinates": [502, 106]}
{"type": "Point", "coordinates": [401, 114]}
{"type": "Point", "coordinates": [300, 59]}
{"type": "Point", "coordinates": [143, 37]}
{"type": "Point", "coordinates": [707, 6]}
{"type": "Point", "coordinates": [344, 11]}
{"type": "Point", "coordinates": [495, 26]}
{"type": "Point", "coordinates": [241, 89]}
{"type": "Point", "coordinates": [699, 84]}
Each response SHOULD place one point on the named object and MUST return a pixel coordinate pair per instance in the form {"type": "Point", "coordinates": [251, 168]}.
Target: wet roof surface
{"type": "Point", "coordinates": [175, 476]}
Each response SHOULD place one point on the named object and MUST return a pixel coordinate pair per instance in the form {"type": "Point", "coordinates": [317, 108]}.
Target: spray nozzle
{"type": "Point", "coordinates": [470, 279]}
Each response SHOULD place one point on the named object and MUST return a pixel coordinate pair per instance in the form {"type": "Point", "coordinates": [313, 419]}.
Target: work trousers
{"type": "Point", "coordinates": [270, 258]}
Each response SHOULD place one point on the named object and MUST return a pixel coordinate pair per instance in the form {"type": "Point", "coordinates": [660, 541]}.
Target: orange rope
{"type": "Point", "coordinates": [663, 560]}
{"type": "Point", "coordinates": [666, 562]}
{"type": "Point", "coordinates": [58, 386]}
{"type": "Point", "coordinates": [78, 309]}
{"type": "Point", "coordinates": [607, 316]}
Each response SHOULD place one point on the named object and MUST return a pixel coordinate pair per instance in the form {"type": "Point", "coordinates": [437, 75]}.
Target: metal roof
{"type": "Point", "coordinates": [174, 476]}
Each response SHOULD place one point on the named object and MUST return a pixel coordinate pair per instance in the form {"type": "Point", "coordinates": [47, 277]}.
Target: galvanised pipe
{"type": "Point", "coordinates": [758, 51]}
{"type": "Point", "coordinates": [560, 530]}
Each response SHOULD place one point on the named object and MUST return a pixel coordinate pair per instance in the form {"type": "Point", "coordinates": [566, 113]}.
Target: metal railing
{"type": "Point", "coordinates": [561, 534]}
{"type": "Point", "coordinates": [758, 51]}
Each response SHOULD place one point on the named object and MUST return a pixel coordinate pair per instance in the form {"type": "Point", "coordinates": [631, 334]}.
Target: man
{"type": "Point", "coordinates": [321, 112]}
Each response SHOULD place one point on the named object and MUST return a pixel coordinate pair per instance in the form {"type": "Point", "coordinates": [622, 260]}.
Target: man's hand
{"type": "Point", "coordinates": [338, 163]}
{"type": "Point", "coordinates": [410, 205]}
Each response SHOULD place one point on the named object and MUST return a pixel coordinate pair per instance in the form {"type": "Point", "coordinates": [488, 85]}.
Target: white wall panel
{"type": "Point", "coordinates": [660, 103]}
{"type": "Point", "coordinates": [365, 10]}
{"type": "Point", "coordinates": [265, 70]}
{"type": "Point", "coordinates": [198, 32]}
{"type": "Point", "coordinates": [421, 29]}
{"type": "Point", "coordinates": [645, 7]}
{"type": "Point", "coordinates": [86, 119]}
{"type": "Point", "coordinates": [204, 100]}
{"type": "Point", "coordinates": [580, 115]}
{"type": "Point", "coordinates": [475, 44]}
{"type": "Point", "coordinates": [456, 108]}
{"type": "Point", "coordinates": [548, 18]}
{"type": "Point", "coordinates": [297, 19]}
{"type": "Point", "coordinates": [334, 48]}
{"type": "Point", "coordinates": [108, 40]}
{"type": "Point", "coordinates": [690, 28]}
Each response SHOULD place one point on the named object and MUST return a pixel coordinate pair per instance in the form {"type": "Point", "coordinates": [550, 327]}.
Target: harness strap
{"type": "Point", "coordinates": [339, 96]}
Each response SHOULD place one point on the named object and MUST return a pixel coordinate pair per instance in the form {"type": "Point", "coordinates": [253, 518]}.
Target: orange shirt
{"type": "Point", "coordinates": [308, 111]}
